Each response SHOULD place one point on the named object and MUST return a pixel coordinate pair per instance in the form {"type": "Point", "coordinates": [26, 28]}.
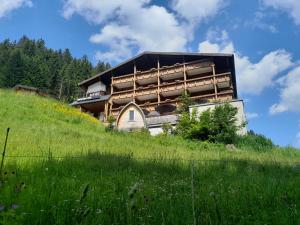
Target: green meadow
{"type": "Point", "coordinates": [61, 167]}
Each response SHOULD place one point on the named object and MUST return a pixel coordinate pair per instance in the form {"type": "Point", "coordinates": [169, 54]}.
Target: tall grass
{"type": "Point", "coordinates": [122, 178]}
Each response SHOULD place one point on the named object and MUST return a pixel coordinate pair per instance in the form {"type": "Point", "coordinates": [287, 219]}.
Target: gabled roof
{"type": "Point", "coordinates": [24, 87]}
{"type": "Point", "coordinates": [148, 60]}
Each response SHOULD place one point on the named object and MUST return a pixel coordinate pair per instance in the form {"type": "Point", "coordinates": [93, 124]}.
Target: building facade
{"type": "Point", "coordinates": [154, 81]}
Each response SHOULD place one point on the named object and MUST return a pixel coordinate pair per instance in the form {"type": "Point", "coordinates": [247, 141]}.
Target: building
{"type": "Point", "coordinates": [151, 83]}
{"type": "Point", "coordinates": [27, 89]}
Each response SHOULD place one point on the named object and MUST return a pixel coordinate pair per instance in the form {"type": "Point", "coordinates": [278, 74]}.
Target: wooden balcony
{"type": "Point", "coordinates": [223, 80]}
{"type": "Point", "coordinates": [172, 89]}
{"type": "Point", "coordinates": [149, 106]}
{"type": "Point", "coordinates": [122, 82]}
{"type": "Point", "coordinates": [171, 72]}
{"type": "Point", "coordinates": [122, 97]}
{"type": "Point", "coordinates": [145, 94]}
{"type": "Point", "coordinates": [200, 84]}
{"type": "Point", "coordinates": [225, 95]}
{"type": "Point", "coordinates": [193, 69]}
{"type": "Point", "coordinates": [147, 77]}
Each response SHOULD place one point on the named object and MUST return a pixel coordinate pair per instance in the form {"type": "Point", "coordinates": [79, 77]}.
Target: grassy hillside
{"type": "Point", "coordinates": [63, 168]}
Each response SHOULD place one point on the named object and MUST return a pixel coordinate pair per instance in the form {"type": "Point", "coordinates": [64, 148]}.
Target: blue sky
{"type": "Point", "coordinates": [263, 34]}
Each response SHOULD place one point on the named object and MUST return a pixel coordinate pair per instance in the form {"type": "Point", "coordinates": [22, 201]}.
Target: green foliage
{"type": "Point", "coordinates": [185, 103]}
{"type": "Point", "coordinates": [253, 141]}
{"type": "Point", "coordinates": [217, 125]}
{"type": "Point", "coordinates": [56, 73]}
{"type": "Point", "coordinates": [111, 123]}
{"type": "Point", "coordinates": [167, 128]}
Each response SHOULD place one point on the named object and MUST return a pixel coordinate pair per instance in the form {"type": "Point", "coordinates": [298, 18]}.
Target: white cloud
{"type": "Point", "coordinates": [6, 6]}
{"type": "Point", "coordinates": [258, 22]}
{"type": "Point", "coordinates": [160, 33]}
{"type": "Point", "coordinates": [197, 10]}
{"type": "Point", "coordinates": [292, 7]}
{"type": "Point", "coordinates": [289, 94]}
{"type": "Point", "coordinates": [252, 78]}
{"type": "Point", "coordinates": [251, 115]}
{"type": "Point", "coordinates": [133, 26]}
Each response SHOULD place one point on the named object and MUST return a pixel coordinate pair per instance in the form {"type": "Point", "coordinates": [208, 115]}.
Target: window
{"type": "Point", "coordinates": [131, 115]}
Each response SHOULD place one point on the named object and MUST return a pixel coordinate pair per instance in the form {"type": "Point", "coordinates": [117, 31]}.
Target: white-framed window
{"type": "Point", "coordinates": [131, 115]}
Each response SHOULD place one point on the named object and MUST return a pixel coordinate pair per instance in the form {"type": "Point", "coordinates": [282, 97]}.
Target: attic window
{"type": "Point", "coordinates": [131, 115]}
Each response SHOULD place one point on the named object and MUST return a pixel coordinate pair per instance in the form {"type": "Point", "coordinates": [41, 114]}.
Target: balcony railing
{"type": "Point", "coordinates": [193, 69]}
{"type": "Point", "coordinates": [122, 97]}
{"type": "Point", "coordinates": [125, 81]}
{"type": "Point", "coordinates": [147, 77]}
{"type": "Point", "coordinates": [173, 89]}
{"type": "Point", "coordinates": [171, 72]}
{"type": "Point", "coordinates": [144, 94]}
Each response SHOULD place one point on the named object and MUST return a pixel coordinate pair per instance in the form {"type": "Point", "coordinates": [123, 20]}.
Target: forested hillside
{"type": "Point", "coordinates": [55, 72]}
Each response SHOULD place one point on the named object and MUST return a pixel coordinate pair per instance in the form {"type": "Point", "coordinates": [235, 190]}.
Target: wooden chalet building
{"type": "Point", "coordinates": [153, 81]}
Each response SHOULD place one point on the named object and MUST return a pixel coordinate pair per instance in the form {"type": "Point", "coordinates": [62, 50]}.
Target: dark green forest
{"type": "Point", "coordinates": [55, 72]}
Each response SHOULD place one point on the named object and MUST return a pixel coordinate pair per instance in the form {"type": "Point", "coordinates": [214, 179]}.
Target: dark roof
{"type": "Point", "coordinates": [25, 87]}
{"type": "Point", "coordinates": [148, 60]}
{"type": "Point", "coordinates": [90, 100]}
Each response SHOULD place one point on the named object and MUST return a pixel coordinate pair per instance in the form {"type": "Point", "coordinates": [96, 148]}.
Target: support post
{"type": "Point", "coordinates": [184, 76]}
{"type": "Point", "coordinates": [105, 111]}
{"type": "Point", "coordinates": [3, 153]}
{"type": "Point", "coordinates": [134, 83]}
{"type": "Point", "coordinates": [215, 82]}
{"type": "Point", "coordinates": [158, 81]}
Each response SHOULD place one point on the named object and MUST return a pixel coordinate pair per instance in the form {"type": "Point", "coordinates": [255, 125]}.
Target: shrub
{"type": "Point", "coordinates": [217, 125]}
{"type": "Point", "coordinates": [185, 103]}
{"type": "Point", "coordinates": [253, 141]}
{"type": "Point", "coordinates": [111, 123]}
{"type": "Point", "coordinates": [167, 128]}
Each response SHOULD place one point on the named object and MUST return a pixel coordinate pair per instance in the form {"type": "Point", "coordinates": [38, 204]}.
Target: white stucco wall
{"type": "Point", "coordinates": [126, 125]}
{"type": "Point", "coordinates": [96, 87]}
{"type": "Point", "coordinates": [239, 104]}
{"type": "Point", "coordinates": [155, 130]}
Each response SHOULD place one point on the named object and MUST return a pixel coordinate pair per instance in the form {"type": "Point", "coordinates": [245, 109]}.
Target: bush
{"type": "Point", "coordinates": [217, 125]}
{"type": "Point", "coordinates": [167, 128]}
{"type": "Point", "coordinates": [111, 123]}
{"type": "Point", "coordinates": [185, 103]}
{"type": "Point", "coordinates": [253, 141]}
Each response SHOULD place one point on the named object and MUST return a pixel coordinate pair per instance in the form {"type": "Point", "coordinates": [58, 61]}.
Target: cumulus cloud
{"type": "Point", "coordinates": [197, 10]}
{"type": "Point", "coordinates": [251, 115]}
{"type": "Point", "coordinates": [289, 94]}
{"type": "Point", "coordinates": [252, 78]}
{"type": "Point", "coordinates": [6, 6]}
{"type": "Point", "coordinates": [133, 26]}
{"type": "Point", "coordinates": [292, 7]}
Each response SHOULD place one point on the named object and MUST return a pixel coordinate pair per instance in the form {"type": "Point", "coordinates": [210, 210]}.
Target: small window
{"type": "Point", "coordinates": [131, 115]}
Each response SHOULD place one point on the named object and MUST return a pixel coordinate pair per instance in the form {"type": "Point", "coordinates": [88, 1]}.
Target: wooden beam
{"type": "Point", "coordinates": [184, 76]}
{"type": "Point", "coordinates": [158, 81]}
{"type": "Point", "coordinates": [215, 83]}
{"type": "Point", "coordinates": [105, 111]}
{"type": "Point", "coordinates": [134, 81]}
